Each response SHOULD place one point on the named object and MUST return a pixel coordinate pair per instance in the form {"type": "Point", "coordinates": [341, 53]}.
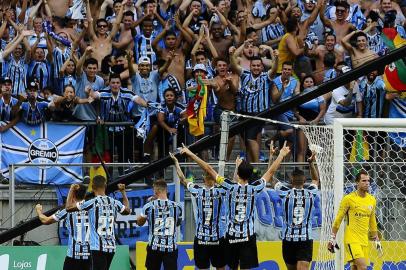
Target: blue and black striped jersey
{"type": "Point", "coordinates": [241, 207]}
{"type": "Point", "coordinates": [102, 215]}
{"type": "Point", "coordinates": [255, 93]}
{"type": "Point", "coordinates": [163, 217]}
{"type": "Point", "coordinates": [298, 207]}
{"type": "Point", "coordinates": [210, 208]}
{"type": "Point", "coordinates": [78, 226]}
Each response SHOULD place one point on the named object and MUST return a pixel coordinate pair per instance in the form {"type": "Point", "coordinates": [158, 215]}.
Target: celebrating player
{"type": "Point", "coordinates": [163, 217]}
{"type": "Point", "coordinates": [102, 214]}
{"type": "Point", "coordinates": [241, 241]}
{"type": "Point", "coordinates": [77, 223]}
{"type": "Point", "coordinates": [298, 206]}
{"type": "Point", "coordinates": [209, 245]}
{"type": "Point", "coordinates": [359, 207]}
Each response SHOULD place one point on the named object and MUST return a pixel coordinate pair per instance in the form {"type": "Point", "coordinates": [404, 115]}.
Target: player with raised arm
{"type": "Point", "coordinates": [102, 214]}
{"type": "Point", "coordinates": [298, 206]}
{"type": "Point", "coordinates": [77, 223]}
{"type": "Point", "coordinates": [359, 209]}
{"type": "Point", "coordinates": [241, 247]}
{"type": "Point", "coordinates": [163, 217]}
{"type": "Point", "coordinates": [209, 242]}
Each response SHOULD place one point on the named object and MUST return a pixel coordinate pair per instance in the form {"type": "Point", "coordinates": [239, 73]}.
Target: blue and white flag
{"type": "Point", "coordinates": [43, 144]}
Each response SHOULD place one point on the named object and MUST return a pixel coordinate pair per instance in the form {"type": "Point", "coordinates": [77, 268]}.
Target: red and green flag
{"type": "Point", "coordinates": [196, 109]}
{"type": "Point", "coordinates": [395, 73]}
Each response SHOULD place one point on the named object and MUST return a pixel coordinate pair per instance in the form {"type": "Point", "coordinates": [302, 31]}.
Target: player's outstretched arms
{"type": "Point", "coordinates": [275, 165]}
{"type": "Point", "coordinates": [206, 167]}
{"type": "Point", "coordinates": [179, 172]}
{"type": "Point", "coordinates": [44, 219]}
{"type": "Point", "coordinates": [71, 205]}
{"type": "Point", "coordinates": [127, 210]}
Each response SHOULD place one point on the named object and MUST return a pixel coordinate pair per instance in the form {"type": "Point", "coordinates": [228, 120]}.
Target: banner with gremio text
{"type": "Point", "coordinates": [270, 256]}
{"type": "Point", "coordinates": [49, 258]}
{"type": "Point", "coordinates": [43, 144]}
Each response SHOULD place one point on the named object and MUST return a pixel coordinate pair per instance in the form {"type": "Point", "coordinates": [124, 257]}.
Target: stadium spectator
{"type": "Point", "coordinates": [145, 84]}
{"type": "Point", "coordinates": [346, 101]}
{"type": "Point", "coordinates": [386, 6]}
{"type": "Point", "coordinates": [340, 26]}
{"type": "Point", "coordinates": [13, 61]}
{"type": "Point", "coordinates": [311, 112]}
{"type": "Point", "coordinates": [100, 39]}
{"type": "Point", "coordinates": [290, 45]}
{"type": "Point", "coordinates": [178, 44]}
{"type": "Point", "coordinates": [34, 112]}
{"type": "Point", "coordinates": [360, 53]}
{"type": "Point", "coordinates": [67, 74]}
{"type": "Point", "coordinates": [170, 119]}
{"type": "Point", "coordinates": [225, 86]}
{"type": "Point", "coordinates": [307, 33]}
{"type": "Point", "coordinates": [284, 87]}
{"type": "Point", "coordinates": [372, 89]}
{"type": "Point", "coordinates": [87, 79]}
{"type": "Point", "coordinates": [65, 105]}
{"type": "Point", "coordinates": [8, 105]}
{"type": "Point", "coordinates": [114, 107]}
{"type": "Point", "coordinates": [143, 40]}
{"type": "Point", "coordinates": [329, 71]}
{"type": "Point", "coordinates": [255, 96]}
{"type": "Point", "coordinates": [319, 53]}
{"type": "Point", "coordinates": [375, 42]}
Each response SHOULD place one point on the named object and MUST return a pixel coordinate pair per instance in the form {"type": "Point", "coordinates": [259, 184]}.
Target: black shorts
{"type": "Point", "coordinates": [297, 251]}
{"type": "Point", "coordinates": [76, 264]}
{"type": "Point", "coordinates": [251, 132]}
{"type": "Point", "coordinates": [244, 253]}
{"type": "Point", "coordinates": [207, 254]}
{"type": "Point", "coordinates": [101, 260]}
{"type": "Point", "coordinates": [155, 258]}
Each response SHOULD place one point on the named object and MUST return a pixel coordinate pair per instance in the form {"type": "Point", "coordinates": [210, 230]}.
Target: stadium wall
{"type": "Point", "coordinates": [270, 256]}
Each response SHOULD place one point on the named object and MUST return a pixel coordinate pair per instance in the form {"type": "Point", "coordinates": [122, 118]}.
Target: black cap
{"type": "Point", "coordinates": [342, 3]}
{"type": "Point", "coordinates": [6, 79]}
{"type": "Point", "coordinates": [32, 84]}
{"type": "Point", "coordinates": [144, 3]}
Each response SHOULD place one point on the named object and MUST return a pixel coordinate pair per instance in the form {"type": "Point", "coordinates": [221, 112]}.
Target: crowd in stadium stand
{"type": "Point", "coordinates": [142, 61]}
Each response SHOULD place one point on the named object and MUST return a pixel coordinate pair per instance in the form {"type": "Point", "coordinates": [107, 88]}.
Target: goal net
{"type": "Point", "coordinates": [377, 146]}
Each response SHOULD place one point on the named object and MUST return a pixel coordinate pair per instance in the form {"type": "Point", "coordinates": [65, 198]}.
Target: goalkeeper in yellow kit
{"type": "Point", "coordinates": [359, 209]}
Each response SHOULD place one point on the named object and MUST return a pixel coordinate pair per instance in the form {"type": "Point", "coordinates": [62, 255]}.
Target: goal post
{"type": "Point", "coordinates": [377, 146]}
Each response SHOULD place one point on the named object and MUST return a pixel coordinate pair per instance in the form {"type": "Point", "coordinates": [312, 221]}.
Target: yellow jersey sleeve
{"type": "Point", "coordinates": [373, 227]}
{"type": "Point", "coordinates": [342, 212]}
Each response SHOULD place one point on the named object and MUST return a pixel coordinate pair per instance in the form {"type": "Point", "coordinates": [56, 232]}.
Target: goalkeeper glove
{"type": "Point", "coordinates": [378, 246]}
{"type": "Point", "coordinates": [332, 243]}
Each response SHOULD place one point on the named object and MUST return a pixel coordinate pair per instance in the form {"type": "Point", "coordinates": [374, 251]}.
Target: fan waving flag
{"type": "Point", "coordinates": [196, 109]}
{"type": "Point", "coordinates": [43, 144]}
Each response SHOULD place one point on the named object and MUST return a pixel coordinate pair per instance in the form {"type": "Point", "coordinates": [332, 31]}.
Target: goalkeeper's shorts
{"type": "Point", "coordinates": [356, 251]}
